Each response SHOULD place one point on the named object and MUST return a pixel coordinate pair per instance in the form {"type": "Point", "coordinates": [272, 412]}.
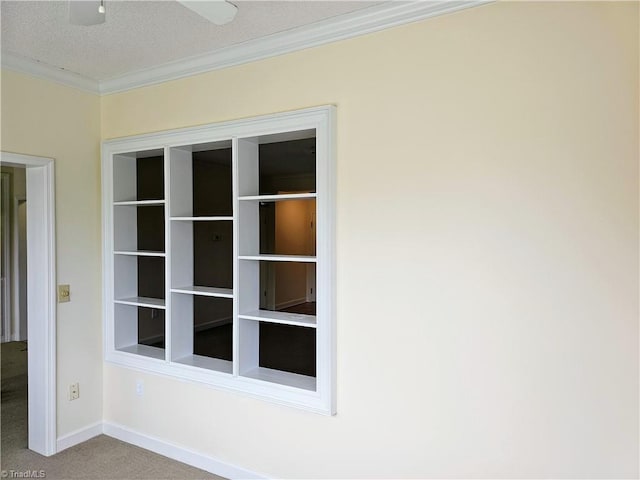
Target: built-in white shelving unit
{"type": "Point", "coordinates": [138, 211]}
{"type": "Point", "coordinates": [219, 255]}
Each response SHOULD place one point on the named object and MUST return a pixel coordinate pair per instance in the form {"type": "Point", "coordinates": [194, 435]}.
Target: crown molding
{"type": "Point", "coordinates": [49, 72]}
{"type": "Point", "coordinates": [361, 22]}
{"type": "Point", "coordinates": [386, 15]}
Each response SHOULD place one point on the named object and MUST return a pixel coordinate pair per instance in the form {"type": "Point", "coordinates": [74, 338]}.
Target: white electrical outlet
{"type": "Point", "coordinates": [74, 391]}
{"type": "Point", "coordinates": [139, 388]}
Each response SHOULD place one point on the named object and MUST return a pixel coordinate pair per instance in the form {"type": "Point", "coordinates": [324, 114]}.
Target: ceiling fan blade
{"type": "Point", "coordinates": [219, 12]}
{"type": "Point", "coordinates": [85, 12]}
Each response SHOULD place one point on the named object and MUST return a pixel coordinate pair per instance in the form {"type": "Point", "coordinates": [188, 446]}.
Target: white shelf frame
{"type": "Point", "coordinates": [140, 253]}
{"type": "Point", "coordinates": [202, 219]}
{"type": "Point", "coordinates": [140, 203]}
{"type": "Point", "coordinates": [278, 197]}
{"type": "Point", "coordinates": [148, 302]}
{"type": "Point", "coordinates": [316, 394]}
{"type": "Point", "coordinates": [279, 258]}
{"type": "Point", "coordinates": [282, 378]}
{"type": "Point", "coordinates": [204, 291]}
{"type": "Point", "coordinates": [144, 350]}
{"type": "Point", "coordinates": [283, 318]}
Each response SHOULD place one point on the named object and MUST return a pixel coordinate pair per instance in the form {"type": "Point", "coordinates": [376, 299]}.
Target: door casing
{"type": "Point", "coordinates": [41, 302]}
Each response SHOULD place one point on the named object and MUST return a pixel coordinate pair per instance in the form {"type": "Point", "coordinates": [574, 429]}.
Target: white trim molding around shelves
{"type": "Point", "coordinates": [244, 374]}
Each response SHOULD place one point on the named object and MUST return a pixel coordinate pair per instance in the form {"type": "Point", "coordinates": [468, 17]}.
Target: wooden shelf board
{"type": "Point", "coordinates": [142, 302]}
{"type": "Point", "coordinates": [140, 253]}
{"type": "Point", "coordinates": [283, 378]}
{"type": "Point", "coordinates": [275, 198]}
{"type": "Point", "coordinates": [209, 363]}
{"type": "Point", "coordinates": [283, 318]}
{"type": "Point", "coordinates": [280, 258]}
{"type": "Point", "coordinates": [144, 350]}
{"type": "Point", "coordinates": [205, 291]}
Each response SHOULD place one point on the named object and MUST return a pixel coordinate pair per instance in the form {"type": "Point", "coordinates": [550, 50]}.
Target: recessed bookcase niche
{"type": "Point", "coordinates": [219, 263]}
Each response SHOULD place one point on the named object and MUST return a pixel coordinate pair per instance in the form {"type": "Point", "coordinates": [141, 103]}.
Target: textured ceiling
{"type": "Point", "coordinates": [141, 34]}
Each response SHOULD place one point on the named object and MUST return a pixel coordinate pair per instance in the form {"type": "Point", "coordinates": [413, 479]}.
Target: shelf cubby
{"type": "Point", "coordinates": [260, 353]}
{"type": "Point", "coordinates": [138, 176]}
{"type": "Point", "coordinates": [140, 330]}
{"type": "Point", "coordinates": [139, 227]}
{"type": "Point", "coordinates": [202, 257]}
{"type": "Point", "coordinates": [201, 180]}
{"type": "Point", "coordinates": [202, 331]}
{"type": "Point", "coordinates": [139, 277]}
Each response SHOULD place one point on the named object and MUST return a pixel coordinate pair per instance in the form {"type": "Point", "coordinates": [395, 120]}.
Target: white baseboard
{"type": "Point", "coordinates": [290, 303]}
{"type": "Point", "coordinates": [218, 322]}
{"type": "Point", "coordinates": [179, 453]}
{"type": "Point", "coordinates": [79, 436]}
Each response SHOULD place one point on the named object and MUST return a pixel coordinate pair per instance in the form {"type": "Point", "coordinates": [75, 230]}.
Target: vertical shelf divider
{"type": "Point", "coordinates": [180, 328]}
{"type": "Point", "coordinates": [236, 285]}
{"type": "Point", "coordinates": [167, 259]}
{"type": "Point", "coordinates": [248, 273]}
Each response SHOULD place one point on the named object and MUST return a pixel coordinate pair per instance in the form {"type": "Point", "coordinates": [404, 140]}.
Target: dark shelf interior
{"type": "Point", "coordinates": [288, 348]}
{"type": "Point", "coordinates": [151, 327]}
{"type": "Point", "coordinates": [212, 183]}
{"type": "Point", "coordinates": [212, 327]}
{"type": "Point", "coordinates": [213, 254]}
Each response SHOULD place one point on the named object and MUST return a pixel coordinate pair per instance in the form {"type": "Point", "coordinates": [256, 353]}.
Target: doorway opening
{"type": "Point", "coordinates": [33, 297]}
{"type": "Point", "coordinates": [13, 243]}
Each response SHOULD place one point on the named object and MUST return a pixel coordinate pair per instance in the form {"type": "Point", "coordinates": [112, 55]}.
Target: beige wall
{"type": "Point", "coordinates": [487, 242]}
{"type": "Point", "coordinates": [499, 148]}
{"type": "Point", "coordinates": [45, 119]}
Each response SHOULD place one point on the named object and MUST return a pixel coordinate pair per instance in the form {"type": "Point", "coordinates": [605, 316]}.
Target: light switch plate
{"type": "Point", "coordinates": [64, 293]}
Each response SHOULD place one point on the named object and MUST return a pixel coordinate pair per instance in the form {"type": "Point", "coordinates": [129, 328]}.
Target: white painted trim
{"type": "Point", "coordinates": [49, 72]}
{"type": "Point", "coordinates": [6, 229]}
{"type": "Point", "coordinates": [361, 22]}
{"type": "Point", "coordinates": [78, 436]}
{"type": "Point", "coordinates": [179, 453]}
{"type": "Point", "coordinates": [322, 119]}
{"type": "Point", "coordinates": [41, 302]}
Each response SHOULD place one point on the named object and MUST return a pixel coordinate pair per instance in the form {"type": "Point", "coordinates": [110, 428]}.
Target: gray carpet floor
{"type": "Point", "coordinates": [101, 458]}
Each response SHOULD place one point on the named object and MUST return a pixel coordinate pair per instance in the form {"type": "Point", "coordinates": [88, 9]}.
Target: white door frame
{"type": "Point", "coordinates": [6, 283]}
{"type": "Point", "coordinates": [41, 299]}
